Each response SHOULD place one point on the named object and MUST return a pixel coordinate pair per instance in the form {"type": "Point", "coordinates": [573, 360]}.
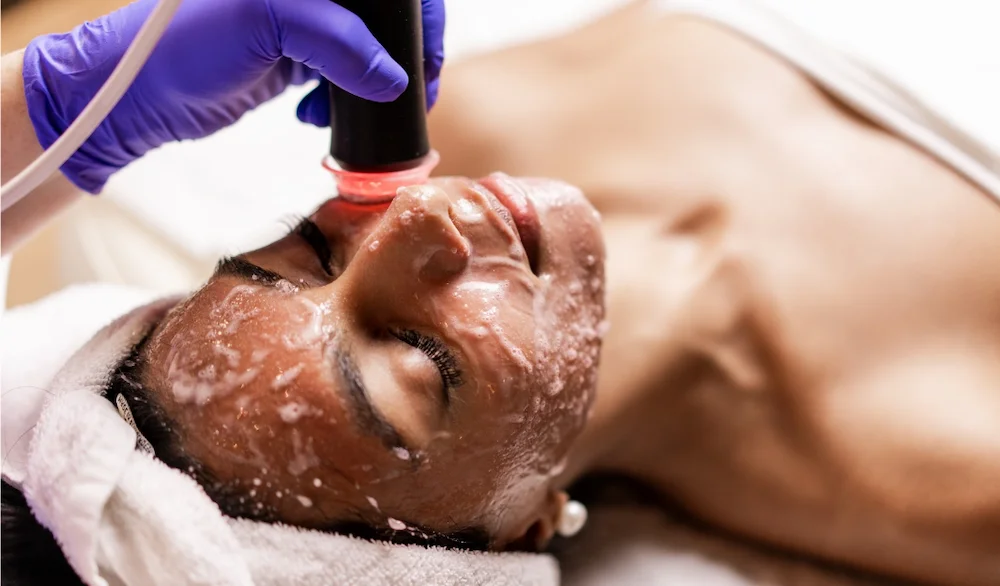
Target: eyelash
{"type": "Point", "coordinates": [314, 237]}
{"type": "Point", "coordinates": [438, 353]}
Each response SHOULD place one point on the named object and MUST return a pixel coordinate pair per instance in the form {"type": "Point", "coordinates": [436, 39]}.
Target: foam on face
{"type": "Point", "coordinates": [468, 212]}
{"type": "Point", "coordinates": [310, 328]}
{"type": "Point", "coordinates": [305, 457]}
{"type": "Point", "coordinates": [198, 378]}
{"type": "Point", "coordinates": [546, 348]}
{"type": "Point", "coordinates": [287, 377]}
{"type": "Point", "coordinates": [293, 411]}
{"type": "Point", "coordinates": [567, 313]}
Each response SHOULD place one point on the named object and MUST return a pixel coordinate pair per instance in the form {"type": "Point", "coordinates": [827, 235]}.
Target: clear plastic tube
{"type": "Point", "coordinates": [378, 188]}
{"type": "Point", "coordinates": [97, 110]}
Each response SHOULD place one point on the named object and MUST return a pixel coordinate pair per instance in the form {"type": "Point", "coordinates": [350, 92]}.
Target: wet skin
{"type": "Point", "coordinates": [427, 363]}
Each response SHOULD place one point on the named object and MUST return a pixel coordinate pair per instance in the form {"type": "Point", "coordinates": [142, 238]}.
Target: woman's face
{"type": "Point", "coordinates": [424, 363]}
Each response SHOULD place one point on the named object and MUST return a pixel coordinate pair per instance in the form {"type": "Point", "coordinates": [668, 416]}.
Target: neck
{"type": "Point", "coordinates": [646, 357]}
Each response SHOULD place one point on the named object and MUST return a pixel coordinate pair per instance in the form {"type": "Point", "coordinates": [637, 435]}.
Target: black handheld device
{"type": "Point", "coordinates": [373, 137]}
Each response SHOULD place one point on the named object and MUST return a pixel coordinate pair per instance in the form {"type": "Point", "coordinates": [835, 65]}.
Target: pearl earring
{"type": "Point", "coordinates": [572, 518]}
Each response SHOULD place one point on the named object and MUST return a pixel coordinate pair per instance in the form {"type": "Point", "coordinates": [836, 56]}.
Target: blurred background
{"type": "Point", "coordinates": [164, 221]}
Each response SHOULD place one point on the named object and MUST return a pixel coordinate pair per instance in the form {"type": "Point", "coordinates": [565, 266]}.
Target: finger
{"type": "Point", "coordinates": [432, 93]}
{"type": "Point", "coordinates": [315, 107]}
{"type": "Point", "coordinates": [433, 21]}
{"type": "Point", "coordinates": [337, 44]}
{"type": "Point", "coordinates": [301, 73]}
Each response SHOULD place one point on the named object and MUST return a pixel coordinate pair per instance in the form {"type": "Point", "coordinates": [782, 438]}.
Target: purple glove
{"type": "Point", "coordinates": [217, 60]}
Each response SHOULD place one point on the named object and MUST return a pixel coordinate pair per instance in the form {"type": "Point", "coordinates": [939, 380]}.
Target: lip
{"type": "Point", "coordinates": [522, 210]}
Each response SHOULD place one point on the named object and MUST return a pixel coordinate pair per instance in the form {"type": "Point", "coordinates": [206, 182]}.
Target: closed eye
{"type": "Point", "coordinates": [314, 237]}
{"type": "Point", "coordinates": [440, 355]}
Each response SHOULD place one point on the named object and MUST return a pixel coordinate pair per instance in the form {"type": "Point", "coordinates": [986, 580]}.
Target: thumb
{"type": "Point", "coordinates": [315, 107]}
{"type": "Point", "coordinates": [332, 40]}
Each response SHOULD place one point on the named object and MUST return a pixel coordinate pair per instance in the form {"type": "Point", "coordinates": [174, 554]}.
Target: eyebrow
{"type": "Point", "coordinates": [238, 266]}
{"type": "Point", "coordinates": [360, 405]}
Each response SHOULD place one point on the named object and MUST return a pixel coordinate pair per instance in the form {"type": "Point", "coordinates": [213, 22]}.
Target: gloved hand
{"type": "Point", "coordinates": [217, 60]}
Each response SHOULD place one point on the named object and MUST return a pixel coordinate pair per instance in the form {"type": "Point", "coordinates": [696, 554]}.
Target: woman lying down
{"type": "Point", "coordinates": [804, 338]}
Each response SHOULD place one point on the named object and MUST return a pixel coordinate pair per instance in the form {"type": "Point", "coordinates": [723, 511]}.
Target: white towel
{"type": "Point", "coordinates": [122, 517]}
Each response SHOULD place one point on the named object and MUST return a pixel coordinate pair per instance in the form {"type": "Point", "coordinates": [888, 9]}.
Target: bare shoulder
{"type": "Point", "coordinates": [920, 435]}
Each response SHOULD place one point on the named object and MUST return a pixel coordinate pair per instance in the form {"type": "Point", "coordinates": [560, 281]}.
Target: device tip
{"type": "Point", "coordinates": [378, 188]}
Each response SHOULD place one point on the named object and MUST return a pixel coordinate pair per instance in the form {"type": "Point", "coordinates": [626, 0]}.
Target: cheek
{"type": "Point", "coordinates": [567, 342]}
{"type": "Point", "coordinates": [565, 338]}
{"type": "Point", "coordinates": [493, 318]}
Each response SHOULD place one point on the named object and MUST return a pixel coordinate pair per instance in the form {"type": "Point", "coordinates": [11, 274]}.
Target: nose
{"type": "Point", "coordinates": [416, 243]}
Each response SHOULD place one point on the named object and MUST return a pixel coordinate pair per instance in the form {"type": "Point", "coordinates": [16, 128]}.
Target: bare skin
{"type": "Point", "coordinates": [426, 368]}
{"type": "Point", "coordinates": [19, 148]}
{"type": "Point", "coordinates": [814, 361]}
{"type": "Point", "coordinates": [805, 335]}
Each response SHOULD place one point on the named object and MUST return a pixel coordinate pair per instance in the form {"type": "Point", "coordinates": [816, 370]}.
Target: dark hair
{"type": "Point", "coordinates": [31, 555]}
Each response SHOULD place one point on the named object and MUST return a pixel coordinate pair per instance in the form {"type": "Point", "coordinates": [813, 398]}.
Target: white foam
{"type": "Point", "coordinates": [286, 377]}
{"type": "Point", "coordinates": [293, 411]}
{"type": "Point", "coordinates": [305, 458]}
{"type": "Point", "coordinates": [204, 384]}
{"type": "Point", "coordinates": [286, 287]}
{"type": "Point", "coordinates": [313, 329]}
{"type": "Point", "coordinates": [238, 290]}
{"type": "Point", "coordinates": [232, 355]}
{"type": "Point", "coordinates": [511, 349]}
{"type": "Point", "coordinates": [236, 318]}
{"type": "Point", "coordinates": [468, 212]}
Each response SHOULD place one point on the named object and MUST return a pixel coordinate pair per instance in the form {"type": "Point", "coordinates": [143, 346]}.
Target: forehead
{"type": "Point", "coordinates": [252, 393]}
{"type": "Point", "coordinates": [230, 336]}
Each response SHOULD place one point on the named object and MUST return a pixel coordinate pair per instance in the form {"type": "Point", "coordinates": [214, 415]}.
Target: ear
{"type": "Point", "coordinates": [540, 532]}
